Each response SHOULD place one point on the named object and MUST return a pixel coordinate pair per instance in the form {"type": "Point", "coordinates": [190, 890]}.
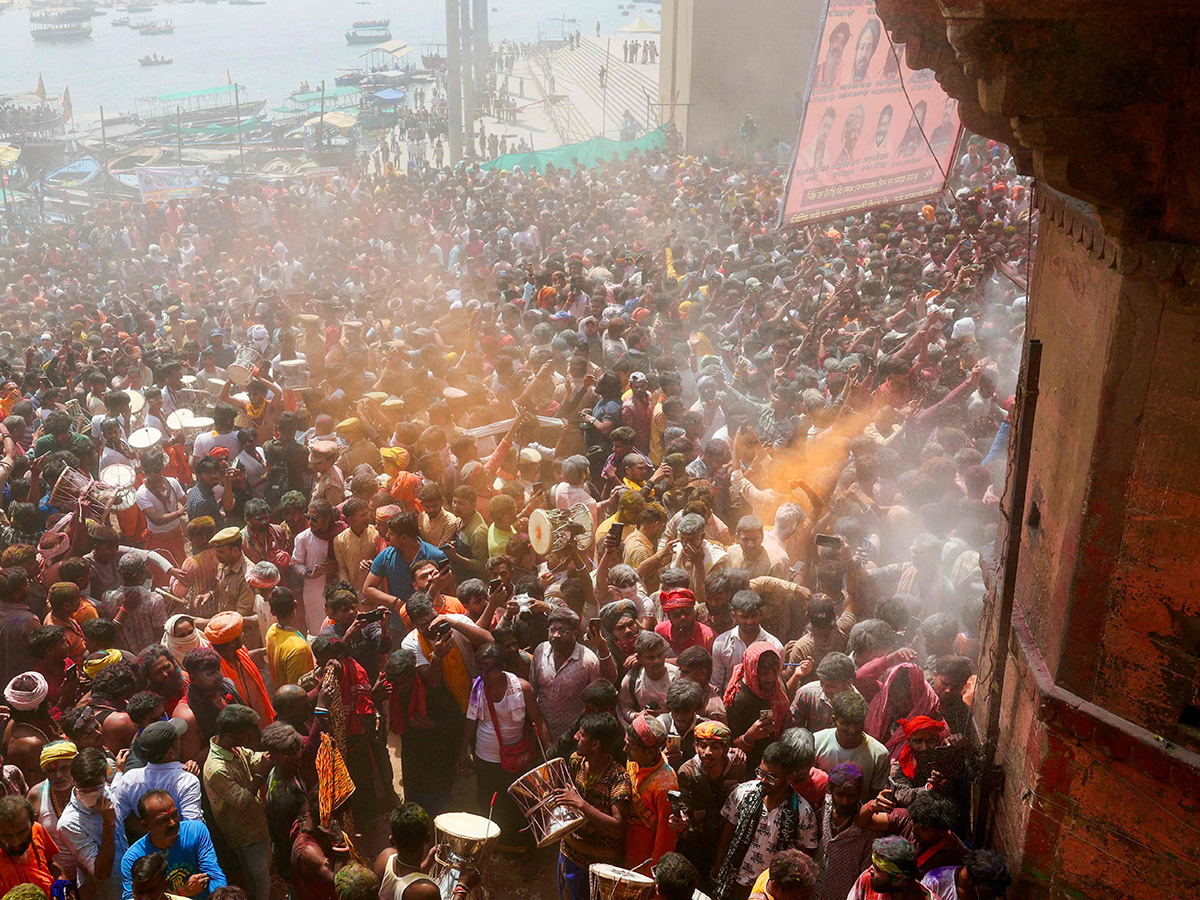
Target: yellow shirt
{"type": "Point", "coordinates": [289, 657]}
{"type": "Point", "coordinates": [349, 549]}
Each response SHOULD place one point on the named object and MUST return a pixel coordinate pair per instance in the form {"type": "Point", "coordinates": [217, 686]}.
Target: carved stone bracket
{"type": "Point", "coordinates": [1093, 99]}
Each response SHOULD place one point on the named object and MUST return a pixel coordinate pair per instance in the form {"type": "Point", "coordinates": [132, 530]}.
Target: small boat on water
{"type": "Point", "coordinates": [349, 77]}
{"type": "Point", "coordinates": [69, 29]}
{"type": "Point", "coordinates": [74, 174]}
{"type": "Point", "coordinates": [139, 6]}
{"type": "Point", "coordinates": [372, 35]}
{"type": "Point", "coordinates": [120, 20]}
{"type": "Point", "coordinates": [155, 60]}
{"type": "Point", "coordinates": [167, 27]}
{"type": "Point", "coordinates": [372, 23]}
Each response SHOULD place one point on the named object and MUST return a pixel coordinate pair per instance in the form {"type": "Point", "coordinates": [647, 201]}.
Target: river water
{"type": "Point", "coordinates": [269, 49]}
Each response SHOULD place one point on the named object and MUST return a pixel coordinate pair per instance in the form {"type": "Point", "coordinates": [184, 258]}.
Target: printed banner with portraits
{"type": "Point", "coordinates": [860, 144]}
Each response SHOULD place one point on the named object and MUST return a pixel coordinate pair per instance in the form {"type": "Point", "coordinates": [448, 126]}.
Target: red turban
{"type": "Point", "coordinates": [676, 598]}
{"type": "Point", "coordinates": [907, 760]}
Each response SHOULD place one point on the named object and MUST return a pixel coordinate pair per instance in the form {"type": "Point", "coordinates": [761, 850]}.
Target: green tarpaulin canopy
{"type": "Point", "coordinates": [588, 152]}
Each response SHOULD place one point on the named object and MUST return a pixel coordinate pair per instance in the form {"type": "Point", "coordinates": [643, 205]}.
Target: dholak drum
{"type": "Point", "coordinates": [533, 793]}
{"type": "Point", "coordinates": [541, 531]}
{"type": "Point", "coordinates": [607, 882]}
{"type": "Point", "coordinates": [292, 375]}
{"type": "Point", "coordinates": [194, 399]}
{"type": "Point", "coordinates": [196, 426]}
{"type": "Point", "coordinates": [241, 370]}
{"type": "Point", "coordinates": [121, 480]}
{"type": "Point", "coordinates": [464, 841]}
{"type": "Point", "coordinates": [144, 438]}
{"type": "Point", "coordinates": [73, 490]}
{"type": "Point", "coordinates": [178, 420]}
{"type": "Point", "coordinates": [215, 386]}
{"type": "Point", "coordinates": [137, 406]}
{"type": "Point", "coordinates": [70, 487]}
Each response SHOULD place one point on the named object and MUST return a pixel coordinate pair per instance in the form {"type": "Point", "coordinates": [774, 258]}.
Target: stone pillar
{"type": "Point", "coordinates": [1100, 734]}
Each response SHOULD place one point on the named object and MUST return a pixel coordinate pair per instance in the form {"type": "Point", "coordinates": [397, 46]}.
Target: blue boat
{"type": "Point", "coordinates": [75, 174]}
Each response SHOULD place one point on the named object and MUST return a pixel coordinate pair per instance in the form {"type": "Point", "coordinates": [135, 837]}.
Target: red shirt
{"type": "Point", "coordinates": [701, 636]}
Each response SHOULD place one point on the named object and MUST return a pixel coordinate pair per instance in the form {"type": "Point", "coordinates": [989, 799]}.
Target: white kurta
{"type": "Point", "coordinates": [310, 552]}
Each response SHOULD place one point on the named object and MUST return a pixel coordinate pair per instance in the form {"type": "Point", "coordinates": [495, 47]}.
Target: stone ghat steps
{"type": "Point", "coordinates": [627, 86]}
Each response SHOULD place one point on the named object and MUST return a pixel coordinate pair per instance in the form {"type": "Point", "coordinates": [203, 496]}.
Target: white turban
{"type": "Point", "coordinates": [27, 691]}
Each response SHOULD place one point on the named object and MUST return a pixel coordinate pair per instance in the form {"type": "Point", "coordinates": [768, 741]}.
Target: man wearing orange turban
{"type": "Point", "coordinates": [224, 632]}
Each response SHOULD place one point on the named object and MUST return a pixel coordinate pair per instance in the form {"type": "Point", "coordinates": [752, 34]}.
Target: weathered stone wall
{"type": "Point", "coordinates": [718, 63]}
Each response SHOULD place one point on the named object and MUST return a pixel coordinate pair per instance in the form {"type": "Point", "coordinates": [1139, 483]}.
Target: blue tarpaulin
{"type": "Point", "coordinates": [389, 94]}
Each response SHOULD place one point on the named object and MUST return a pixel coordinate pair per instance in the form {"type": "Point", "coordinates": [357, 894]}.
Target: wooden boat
{"type": "Point", "coordinates": [120, 20]}
{"type": "Point", "coordinates": [139, 6]}
{"type": "Point", "coordinates": [61, 24]}
{"type": "Point", "coordinates": [73, 175]}
{"type": "Point", "coordinates": [367, 35]}
{"type": "Point", "coordinates": [349, 77]}
{"type": "Point", "coordinates": [156, 60]}
{"type": "Point", "coordinates": [372, 23]}
{"type": "Point", "coordinates": [199, 107]}
{"type": "Point", "coordinates": [122, 168]}
{"type": "Point", "coordinates": [433, 61]}
{"type": "Point", "coordinates": [150, 28]}
{"type": "Point", "coordinates": [60, 31]}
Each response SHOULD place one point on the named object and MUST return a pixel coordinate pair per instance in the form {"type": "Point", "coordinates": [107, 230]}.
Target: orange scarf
{"type": "Point", "coordinates": [250, 685]}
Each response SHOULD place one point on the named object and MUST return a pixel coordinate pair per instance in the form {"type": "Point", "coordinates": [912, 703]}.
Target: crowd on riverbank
{"type": "Point", "coordinates": [348, 414]}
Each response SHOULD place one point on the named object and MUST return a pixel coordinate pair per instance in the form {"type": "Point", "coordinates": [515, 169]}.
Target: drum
{"type": "Point", "coordinates": [137, 406]}
{"type": "Point", "coordinates": [292, 375]}
{"type": "Point", "coordinates": [464, 841]}
{"type": "Point", "coordinates": [215, 386]}
{"type": "Point", "coordinates": [533, 793]}
{"type": "Point", "coordinates": [195, 399]}
{"type": "Point", "coordinates": [144, 438]}
{"type": "Point", "coordinates": [73, 490]}
{"type": "Point", "coordinates": [241, 370]}
{"type": "Point", "coordinates": [178, 420]}
{"type": "Point", "coordinates": [123, 482]}
{"type": "Point", "coordinates": [541, 531]}
{"type": "Point", "coordinates": [196, 426]}
{"type": "Point", "coordinates": [608, 882]}
{"type": "Point", "coordinates": [70, 487]}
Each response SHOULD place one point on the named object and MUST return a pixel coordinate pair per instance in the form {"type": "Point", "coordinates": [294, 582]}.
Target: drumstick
{"type": "Point", "coordinates": [487, 831]}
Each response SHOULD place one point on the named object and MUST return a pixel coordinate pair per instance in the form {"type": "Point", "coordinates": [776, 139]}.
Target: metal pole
{"type": "Point", "coordinates": [454, 119]}
{"type": "Point", "coordinates": [104, 156]}
{"type": "Point", "coordinates": [237, 108]}
{"type": "Point", "coordinates": [4, 193]}
{"type": "Point", "coordinates": [468, 80]}
{"type": "Point", "coordinates": [321, 128]}
{"type": "Point", "coordinates": [179, 132]}
{"type": "Point", "coordinates": [479, 14]}
{"type": "Point", "coordinates": [997, 643]}
{"type": "Point", "coordinates": [604, 93]}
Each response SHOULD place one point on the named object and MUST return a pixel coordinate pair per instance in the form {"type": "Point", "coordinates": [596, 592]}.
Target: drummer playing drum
{"type": "Point", "coordinates": [261, 408]}
{"type": "Point", "coordinates": [602, 792]}
{"type": "Point", "coordinates": [401, 868]}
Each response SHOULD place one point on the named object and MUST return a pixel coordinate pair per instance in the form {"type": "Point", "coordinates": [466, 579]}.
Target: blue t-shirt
{"type": "Point", "coordinates": [191, 854]}
{"type": "Point", "coordinates": [392, 568]}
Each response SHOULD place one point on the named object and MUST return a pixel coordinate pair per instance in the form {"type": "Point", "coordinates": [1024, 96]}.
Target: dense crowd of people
{"type": "Point", "coordinates": [275, 465]}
